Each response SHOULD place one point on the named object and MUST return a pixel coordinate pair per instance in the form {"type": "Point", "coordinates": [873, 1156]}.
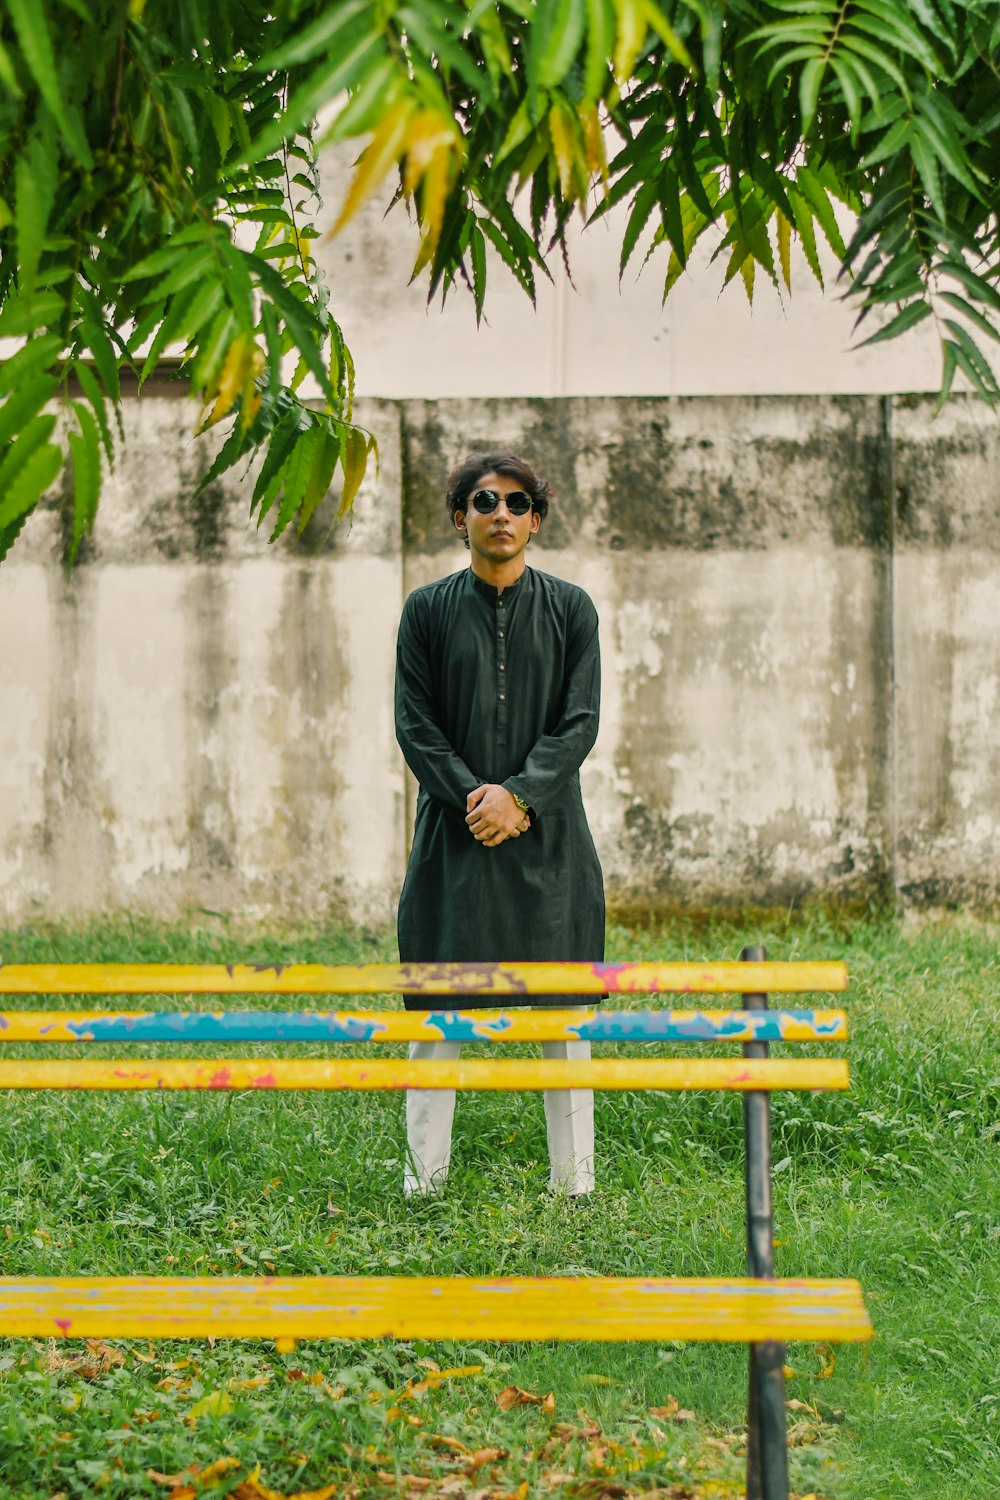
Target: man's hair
{"type": "Point", "coordinates": [465, 477]}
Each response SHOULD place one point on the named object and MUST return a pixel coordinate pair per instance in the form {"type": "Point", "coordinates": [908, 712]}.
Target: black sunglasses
{"type": "Point", "coordinates": [486, 502]}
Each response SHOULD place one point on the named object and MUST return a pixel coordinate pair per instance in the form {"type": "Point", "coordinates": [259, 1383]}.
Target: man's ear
{"type": "Point", "coordinates": [536, 521]}
{"type": "Point", "coordinates": [460, 521]}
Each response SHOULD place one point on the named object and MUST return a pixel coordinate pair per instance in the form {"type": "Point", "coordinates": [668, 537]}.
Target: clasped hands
{"type": "Point", "coordinates": [493, 816]}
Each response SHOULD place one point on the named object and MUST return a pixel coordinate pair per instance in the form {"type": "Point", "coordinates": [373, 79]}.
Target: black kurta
{"type": "Point", "coordinates": [499, 688]}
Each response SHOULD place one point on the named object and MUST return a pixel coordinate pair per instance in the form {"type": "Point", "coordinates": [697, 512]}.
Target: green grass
{"type": "Point", "coordinates": [895, 1183]}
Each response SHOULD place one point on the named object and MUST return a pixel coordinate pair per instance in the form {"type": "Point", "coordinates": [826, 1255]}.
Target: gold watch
{"type": "Point", "coordinates": [520, 802]}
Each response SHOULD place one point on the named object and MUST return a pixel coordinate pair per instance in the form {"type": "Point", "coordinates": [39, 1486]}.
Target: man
{"type": "Point", "coordinates": [497, 701]}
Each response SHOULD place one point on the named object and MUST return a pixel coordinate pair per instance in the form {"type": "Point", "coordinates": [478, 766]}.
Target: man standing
{"type": "Point", "coordinates": [497, 703]}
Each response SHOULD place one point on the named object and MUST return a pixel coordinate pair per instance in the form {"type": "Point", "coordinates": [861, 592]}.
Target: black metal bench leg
{"type": "Point", "coordinates": [767, 1444]}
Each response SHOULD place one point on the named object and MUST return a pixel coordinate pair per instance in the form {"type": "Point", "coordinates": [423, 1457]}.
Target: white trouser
{"type": "Point", "coordinates": [569, 1121]}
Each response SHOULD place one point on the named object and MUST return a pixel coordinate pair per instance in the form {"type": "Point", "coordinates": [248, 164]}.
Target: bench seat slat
{"type": "Point", "coordinates": [407, 1026]}
{"type": "Point", "coordinates": [736, 1073]}
{"type": "Point", "coordinates": [417, 979]}
{"type": "Point", "coordinates": [455, 1307]}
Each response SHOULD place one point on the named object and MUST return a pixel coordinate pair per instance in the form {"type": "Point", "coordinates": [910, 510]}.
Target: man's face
{"type": "Point", "coordinates": [500, 536]}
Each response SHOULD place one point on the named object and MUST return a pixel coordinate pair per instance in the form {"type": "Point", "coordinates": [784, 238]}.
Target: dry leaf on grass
{"type": "Point", "coordinates": [672, 1412]}
{"type": "Point", "coordinates": [411, 1481]}
{"type": "Point", "coordinates": [252, 1489]}
{"type": "Point", "coordinates": [215, 1404]}
{"type": "Point", "coordinates": [438, 1440]}
{"type": "Point", "coordinates": [829, 1359]}
{"type": "Point", "coordinates": [171, 1480]}
{"type": "Point", "coordinates": [512, 1396]}
{"type": "Point", "coordinates": [100, 1359]}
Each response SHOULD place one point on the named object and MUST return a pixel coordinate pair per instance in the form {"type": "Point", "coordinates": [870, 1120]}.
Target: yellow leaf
{"type": "Point", "coordinates": [434, 195]}
{"type": "Point", "coordinates": [784, 256]}
{"type": "Point", "coordinates": [564, 144]}
{"type": "Point", "coordinates": [216, 1469]}
{"type": "Point", "coordinates": [215, 1404]}
{"type": "Point", "coordinates": [354, 461]}
{"type": "Point", "coordinates": [593, 138]}
{"type": "Point", "coordinates": [285, 1345]}
{"type": "Point", "coordinates": [829, 1359]}
{"type": "Point", "coordinates": [428, 136]}
{"type": "Point", "coordinates": [631, 36]}
{"type": "Point", "coordinates": [385, 149]}
{"type": "Point", "coordinates": [231, 382]}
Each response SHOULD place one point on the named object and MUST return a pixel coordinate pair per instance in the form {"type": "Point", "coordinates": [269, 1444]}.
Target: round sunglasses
{"type": "Point", "coordinates": [486, 502]}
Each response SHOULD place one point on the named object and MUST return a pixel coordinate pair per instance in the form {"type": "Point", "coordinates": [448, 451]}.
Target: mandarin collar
{"type": "Point", "coordinates": [491, 591]}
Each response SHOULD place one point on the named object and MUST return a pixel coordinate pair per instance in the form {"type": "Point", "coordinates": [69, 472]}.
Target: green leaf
{"type": "Point", "coordinates": [284, 436]}
{"type": "Point", "coordinates": [477, 253]}
{"type": "Point", "coordinates": [21, 366]}
{"type": "Point", "coordinates": [191, 267]}
{"type": "Point", "coordinates": [646, 200]}
{"type": "Point", "coordinates": [364, 67]}
{"type": "Point", "coordinates": [24, 403]}
{"type": "Point", "coordinates": [809, 185]}
{"type": "Point", "coordinates": [86, 450]}
{"type": "Point", "coordinates": [325, 35]}
{"type": "Point", "coordinates": [325, 456]}
{"type": "Point", "coordinates": [22, 316]}
{"type": "Point", "coordinates": [600, 46]}
{"type": "Point", "coordinates": [556, 33]}
{"type": "Point", "coordinates": [974, 362]}
{"type": "Point", "coordinates": [35, 170]}
{"type": "Point", "coordinates": [972, 313]}
{"type": "Point", "coordinates": [22, 492]}
{"type": "Point", "coordinates": [97, 399]}
{"type": "Point", "coordinates": [295, 475]}
{"type": "Point", "coordinates": [810, 83]}
{"type": "Point", "coordinates": [32, 28]}
{"type": "Point", "coordinates": [909, 317]}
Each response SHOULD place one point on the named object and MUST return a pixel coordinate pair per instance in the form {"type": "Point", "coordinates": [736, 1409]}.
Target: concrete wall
{"type": "Point", "coordinates": [799, 601]}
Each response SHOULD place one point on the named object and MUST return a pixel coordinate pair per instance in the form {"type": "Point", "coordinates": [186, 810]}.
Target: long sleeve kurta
{"type": "Point", "coordinates": [499, 688]}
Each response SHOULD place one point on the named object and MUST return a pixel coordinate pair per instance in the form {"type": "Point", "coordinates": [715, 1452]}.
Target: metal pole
{"type": "Point", "coordinates": [767, 1446]}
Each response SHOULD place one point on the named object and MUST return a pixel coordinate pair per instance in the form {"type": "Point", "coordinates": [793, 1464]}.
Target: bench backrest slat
{"type": "Point", "coordinates": [410, 1026]}
{"type": "Point", "coordinates": [737, 1073]}
{"type": "Point", "coordinates": [423, 979]}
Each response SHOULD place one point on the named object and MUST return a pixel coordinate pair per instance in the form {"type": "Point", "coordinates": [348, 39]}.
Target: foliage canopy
{"type": "Point", "coordinates": [158, 188]}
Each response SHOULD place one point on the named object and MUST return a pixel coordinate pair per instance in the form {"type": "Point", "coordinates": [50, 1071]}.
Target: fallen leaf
{"type": "Point", "coordinates": [673, 1411]}
{"type": "Point", "coordinates": [215, 1404]}
{"type": "Point", "coordinates": [589, 1428]}
{"type": "Point", "coordinates": [598, 1379]}
{"type": "Point", "coordinates": [216, 1469]}
{"type": "Point", "coordinates": [254, 1384]}
{"type": "Point", "coordinates": [437, 1440]}
{"type": "Point", "coordinates": [512, 1396]}
{"type": "Point", "coordinates": [796, 1405]}
{"type": "Point", "coordinates": [829, 1359]}
{"type": "Point", "coordinates": [108, 1355]}
{"type": "Point", "coordinates": [173, 1479]}
{"type": "Point", "coordinates": [412, 1481]}
{"type": "Point", "coordinates": [801, 1434]}
{"type": "Point", "coordinates": [482, 1457]}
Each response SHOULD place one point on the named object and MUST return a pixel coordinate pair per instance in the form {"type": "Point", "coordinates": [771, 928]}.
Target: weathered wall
{"type": "Point", "coordinates": [798, 602]}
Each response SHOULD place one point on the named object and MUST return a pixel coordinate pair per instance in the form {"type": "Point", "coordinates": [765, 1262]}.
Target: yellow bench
{"type": "Point", "coordinates": [757, 1309]}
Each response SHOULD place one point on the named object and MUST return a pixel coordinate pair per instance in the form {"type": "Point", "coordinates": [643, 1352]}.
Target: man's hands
{"type": "Point", "coordinates": [494, 816]}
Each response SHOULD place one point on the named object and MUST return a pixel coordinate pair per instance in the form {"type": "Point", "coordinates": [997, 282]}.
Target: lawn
{"type": "Point", "coordinates": [895, 1183]}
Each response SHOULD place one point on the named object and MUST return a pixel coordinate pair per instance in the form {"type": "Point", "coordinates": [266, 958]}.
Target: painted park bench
{"type": "Point", "coordinates": [758, 1309]}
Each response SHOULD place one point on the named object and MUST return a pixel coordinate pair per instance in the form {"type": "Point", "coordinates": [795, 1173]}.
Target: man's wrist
{"type": "Point", "coordinates": [525, 807]}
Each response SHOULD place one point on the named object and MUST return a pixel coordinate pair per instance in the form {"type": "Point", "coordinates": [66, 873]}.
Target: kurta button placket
{"type": "Point", "coordinates": [501, 668]}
